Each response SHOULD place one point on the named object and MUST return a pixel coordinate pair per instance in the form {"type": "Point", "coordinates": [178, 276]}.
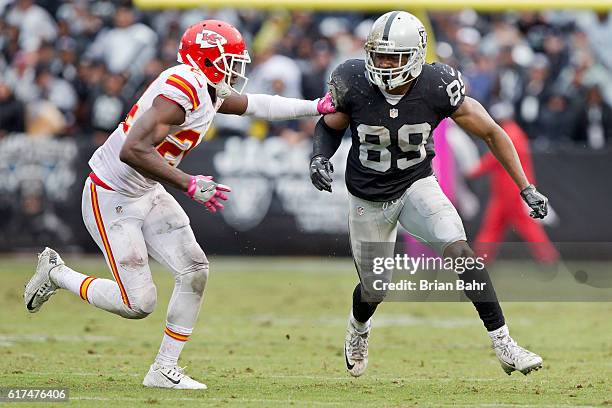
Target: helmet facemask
{"type": "Point", "coordinates": [410, 62]}
{"type": "Point", "coordinates": [233, 66]}
{"type": "Point", "coordinates": [396, 34]}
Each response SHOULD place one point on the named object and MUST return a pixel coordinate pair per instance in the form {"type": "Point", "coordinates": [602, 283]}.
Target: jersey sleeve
{"type": "Point", "coordinates": [448, 89]}
{"type": "Point", "coordinates": [339, 86]}
{"type": "Point", "coordinates": [179, 89]}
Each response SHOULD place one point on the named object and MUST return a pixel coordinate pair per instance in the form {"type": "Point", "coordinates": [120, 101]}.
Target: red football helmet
{"type": "Point", "coordinates": [217, 49]}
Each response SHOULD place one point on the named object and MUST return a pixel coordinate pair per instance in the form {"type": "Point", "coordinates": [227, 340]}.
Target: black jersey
{"type": "Point", "coordinates": [392, 145]}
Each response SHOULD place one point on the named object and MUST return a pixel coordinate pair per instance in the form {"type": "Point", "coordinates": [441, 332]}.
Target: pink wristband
{"type": "Point", "coordinates": [191, 189]}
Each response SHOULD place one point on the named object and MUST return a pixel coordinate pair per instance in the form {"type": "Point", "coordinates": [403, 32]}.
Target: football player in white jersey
{"type": "Point", "coordinates": [131, 216]}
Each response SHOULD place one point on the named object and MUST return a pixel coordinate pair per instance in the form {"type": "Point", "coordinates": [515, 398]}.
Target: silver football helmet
{"type": "Point", "coordinates": [399, 35]}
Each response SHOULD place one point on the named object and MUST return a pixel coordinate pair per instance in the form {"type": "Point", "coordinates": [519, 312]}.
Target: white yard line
{"type": "Point", "coordinates": [205, 398]}
{"type": "Point", "coordinates": [348, 378]}
{"type": "Point", "coordinates": [494, 405]}
{"type": "Point", "coordinates": [321, 403]}
{"type": "Point", "coordinates": [79, 374]}
{"type": "Point", "coordinates": [382, 320]}
{"type": "Point", "coordinates": [271, 376]}
{"type": "Point", "coordinates": [42, 338]}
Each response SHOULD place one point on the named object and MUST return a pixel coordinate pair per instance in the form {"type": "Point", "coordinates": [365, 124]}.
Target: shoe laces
{"type": "Point", "coordinates": [45, 289]}
{"type": "Point", "coordinates": [359, 346]}
{"type": "Point", "coordinates": [175, 372]}
{"type": "Point", "coordinates": [509, 348]}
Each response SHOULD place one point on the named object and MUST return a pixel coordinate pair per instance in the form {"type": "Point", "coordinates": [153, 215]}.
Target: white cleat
{"type": "Point", "coordinates": [160, 376]}
{"type": "Point", "coordinates": [40, 287]}
{"type": "Point", "coordinates": [356, 350]}
{"type": "Point", "coordinates": [513, 357]}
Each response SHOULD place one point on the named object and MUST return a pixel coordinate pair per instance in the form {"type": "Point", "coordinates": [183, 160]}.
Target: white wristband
{"type": "Point", "coordinates": [276, 107]}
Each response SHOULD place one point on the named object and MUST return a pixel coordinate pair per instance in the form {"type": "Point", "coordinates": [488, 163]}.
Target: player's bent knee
{"type": "Point", "coordinates": [374, 293]}
{"type": "Point", "coordinates": [143, 303]}
{"type": "Point", "coordinates": [196, 278]}
{"type": "Point", "coordinates": [459, 249]}
{"type": "Point", "coordinates": [196, 275]}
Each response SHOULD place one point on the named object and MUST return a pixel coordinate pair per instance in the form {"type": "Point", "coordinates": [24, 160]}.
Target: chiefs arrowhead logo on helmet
{"type": "Point", "coordinates": [208, 39]}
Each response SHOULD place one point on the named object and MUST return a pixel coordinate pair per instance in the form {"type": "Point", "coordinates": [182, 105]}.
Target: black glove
{"type": "Point", "coordinates": [536, 201]}
{"type": "Point", "coordinates": [320, 173]}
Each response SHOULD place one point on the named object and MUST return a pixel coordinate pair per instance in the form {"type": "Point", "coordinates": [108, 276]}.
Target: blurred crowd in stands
{"type": "Point", "coordinates": [74, 68]}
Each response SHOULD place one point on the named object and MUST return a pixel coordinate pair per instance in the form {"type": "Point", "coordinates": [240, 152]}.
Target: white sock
{"type": "Point", "coordinates": [359, 326]}
{"type": "Point", "coordinates": [105, 294]}
{"type": "Point", "coordinates": [102, 293]}
{"type": "Point", "coordinates": [498, 334]}
{"type": "Point", "coordinates": [66, 278]}
{"type": "Point", "coordinates": [171, 347]}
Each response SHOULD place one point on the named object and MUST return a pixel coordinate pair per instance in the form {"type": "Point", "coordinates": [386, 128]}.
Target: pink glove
{"type": "Point", "coordinates": [326, 105]}
{"type": "Point", "coordinates": [204, 190]}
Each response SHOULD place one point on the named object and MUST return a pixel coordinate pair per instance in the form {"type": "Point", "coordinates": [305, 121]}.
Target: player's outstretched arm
{"type": "Point", "coordinates": [274, 107]}
{"type": "Point", "coordinates": [473, 118]}
{"type": "Point", "coordinates": [326, 140]}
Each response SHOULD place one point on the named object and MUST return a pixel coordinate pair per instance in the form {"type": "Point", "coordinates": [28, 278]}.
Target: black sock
{"type": "Point", "coordinates": [362, 311]}
{"type": "Point", "coordinates": [485, 300]}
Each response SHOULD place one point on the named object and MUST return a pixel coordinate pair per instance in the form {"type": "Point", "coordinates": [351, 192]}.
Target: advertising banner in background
{"type": "Point", "coordinates": [273, 208]}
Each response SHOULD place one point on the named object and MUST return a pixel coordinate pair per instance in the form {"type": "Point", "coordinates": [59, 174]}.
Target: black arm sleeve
{"type": "Point", "coordinates": [326, 140]}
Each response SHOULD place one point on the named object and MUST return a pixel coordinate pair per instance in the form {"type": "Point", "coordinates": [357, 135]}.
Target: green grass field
{"type": "Point", "coordinates": [270, 334]}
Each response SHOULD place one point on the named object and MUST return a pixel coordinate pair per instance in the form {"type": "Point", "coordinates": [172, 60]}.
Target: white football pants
{"type": "Point", "coordinates": [127, 230]}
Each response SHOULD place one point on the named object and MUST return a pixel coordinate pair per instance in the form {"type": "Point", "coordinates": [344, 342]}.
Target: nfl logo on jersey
{"type": "Point", "coordinates": [393, 113]}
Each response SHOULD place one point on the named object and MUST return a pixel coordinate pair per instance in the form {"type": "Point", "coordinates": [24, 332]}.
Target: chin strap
{"type": "Point", "coordinates": [222, 90]}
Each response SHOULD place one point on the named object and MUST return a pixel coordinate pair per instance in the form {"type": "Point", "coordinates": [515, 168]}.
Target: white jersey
{"type": "Point", "coordinates": [180, 84]}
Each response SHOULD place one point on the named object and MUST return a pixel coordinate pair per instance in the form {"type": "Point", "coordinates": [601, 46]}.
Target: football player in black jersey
{"type": "Point", "coordinates": [392, 102]}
